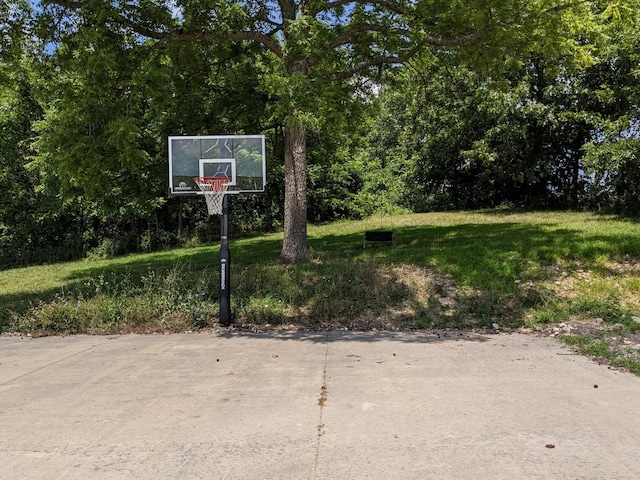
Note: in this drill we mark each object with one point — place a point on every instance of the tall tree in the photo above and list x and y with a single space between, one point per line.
316 48
612 89
17 110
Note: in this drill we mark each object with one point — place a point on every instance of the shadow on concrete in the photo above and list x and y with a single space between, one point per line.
365 337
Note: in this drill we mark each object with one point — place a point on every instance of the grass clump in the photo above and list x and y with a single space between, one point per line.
328 291
172 299
606 346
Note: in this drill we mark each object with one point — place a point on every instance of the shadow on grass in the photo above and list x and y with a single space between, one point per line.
484 255
196 259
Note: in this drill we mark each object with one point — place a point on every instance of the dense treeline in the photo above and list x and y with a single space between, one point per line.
85 114
542 136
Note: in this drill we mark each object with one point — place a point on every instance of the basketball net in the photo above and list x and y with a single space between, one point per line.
214 189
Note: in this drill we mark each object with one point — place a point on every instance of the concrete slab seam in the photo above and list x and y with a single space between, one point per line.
321 402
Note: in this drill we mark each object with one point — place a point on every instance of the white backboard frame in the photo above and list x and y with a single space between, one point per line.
203 172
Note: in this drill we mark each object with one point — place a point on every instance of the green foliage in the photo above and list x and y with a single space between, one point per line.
493 109
605 307
169 300
463 139
612 156
35 226
91 138
602 350
306 51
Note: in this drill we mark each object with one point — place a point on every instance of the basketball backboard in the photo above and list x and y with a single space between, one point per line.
240 157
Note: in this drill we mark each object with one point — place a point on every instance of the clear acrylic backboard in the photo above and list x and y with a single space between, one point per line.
240 157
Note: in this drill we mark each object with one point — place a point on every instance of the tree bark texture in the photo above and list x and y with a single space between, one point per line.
294 246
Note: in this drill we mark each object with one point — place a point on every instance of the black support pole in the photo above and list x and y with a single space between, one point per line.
225 267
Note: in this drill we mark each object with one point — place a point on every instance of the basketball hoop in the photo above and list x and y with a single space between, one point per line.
214 189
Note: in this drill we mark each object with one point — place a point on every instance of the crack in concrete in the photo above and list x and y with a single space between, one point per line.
55 362
322 400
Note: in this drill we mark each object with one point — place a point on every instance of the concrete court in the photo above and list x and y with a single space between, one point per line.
335 405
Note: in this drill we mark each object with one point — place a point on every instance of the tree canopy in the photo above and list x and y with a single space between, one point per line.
313 54
486 102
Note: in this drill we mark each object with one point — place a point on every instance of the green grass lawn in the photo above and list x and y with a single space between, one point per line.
443 270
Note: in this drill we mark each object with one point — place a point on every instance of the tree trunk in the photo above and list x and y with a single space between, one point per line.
294 246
